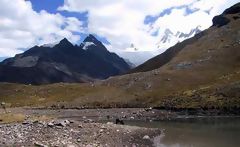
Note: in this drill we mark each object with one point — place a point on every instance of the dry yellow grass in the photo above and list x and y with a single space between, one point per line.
10 118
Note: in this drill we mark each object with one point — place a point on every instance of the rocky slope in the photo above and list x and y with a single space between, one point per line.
63 62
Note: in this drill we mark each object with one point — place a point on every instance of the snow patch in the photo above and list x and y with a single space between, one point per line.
51 45
87 44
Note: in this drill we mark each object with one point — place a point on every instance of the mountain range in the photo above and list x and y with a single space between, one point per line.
166 40
169 38
201 73
63 62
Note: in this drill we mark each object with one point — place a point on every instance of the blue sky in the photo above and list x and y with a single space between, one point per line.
51 6
117 23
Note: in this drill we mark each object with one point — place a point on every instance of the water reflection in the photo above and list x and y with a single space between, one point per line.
201 132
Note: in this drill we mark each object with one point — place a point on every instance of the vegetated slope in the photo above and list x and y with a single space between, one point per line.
210 62
203 74
63 62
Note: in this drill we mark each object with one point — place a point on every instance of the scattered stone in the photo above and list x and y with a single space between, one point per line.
80 126
25 122
59 127
39 144
78 140
88 121
62 123
101 131
148 109
146 137
184 65
103 127
110 123
50 124
67 122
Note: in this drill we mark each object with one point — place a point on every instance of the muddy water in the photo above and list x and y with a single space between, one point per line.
200 132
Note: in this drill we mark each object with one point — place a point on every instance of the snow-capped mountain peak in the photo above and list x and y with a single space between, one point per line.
170 38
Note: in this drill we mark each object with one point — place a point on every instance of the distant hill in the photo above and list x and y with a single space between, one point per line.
63 62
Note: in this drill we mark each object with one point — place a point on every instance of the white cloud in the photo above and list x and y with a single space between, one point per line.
22 27
122 21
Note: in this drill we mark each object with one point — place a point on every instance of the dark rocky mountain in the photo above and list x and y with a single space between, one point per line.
63 62
222 20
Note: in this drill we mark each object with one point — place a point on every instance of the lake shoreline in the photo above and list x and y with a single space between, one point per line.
94 127
111 114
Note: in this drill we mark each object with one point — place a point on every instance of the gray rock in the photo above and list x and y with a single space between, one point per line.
88 121
101 131
146 137
50 124
59 127
110 123
62 123
67 122
39 144
184 65
26 122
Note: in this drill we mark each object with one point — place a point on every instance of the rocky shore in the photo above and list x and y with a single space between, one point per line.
75 133
85 127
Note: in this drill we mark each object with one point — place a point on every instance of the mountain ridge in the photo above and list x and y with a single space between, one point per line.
67 63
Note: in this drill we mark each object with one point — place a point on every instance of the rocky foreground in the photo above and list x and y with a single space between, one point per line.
78 127
75 133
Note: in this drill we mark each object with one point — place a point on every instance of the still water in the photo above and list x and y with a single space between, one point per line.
200 132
